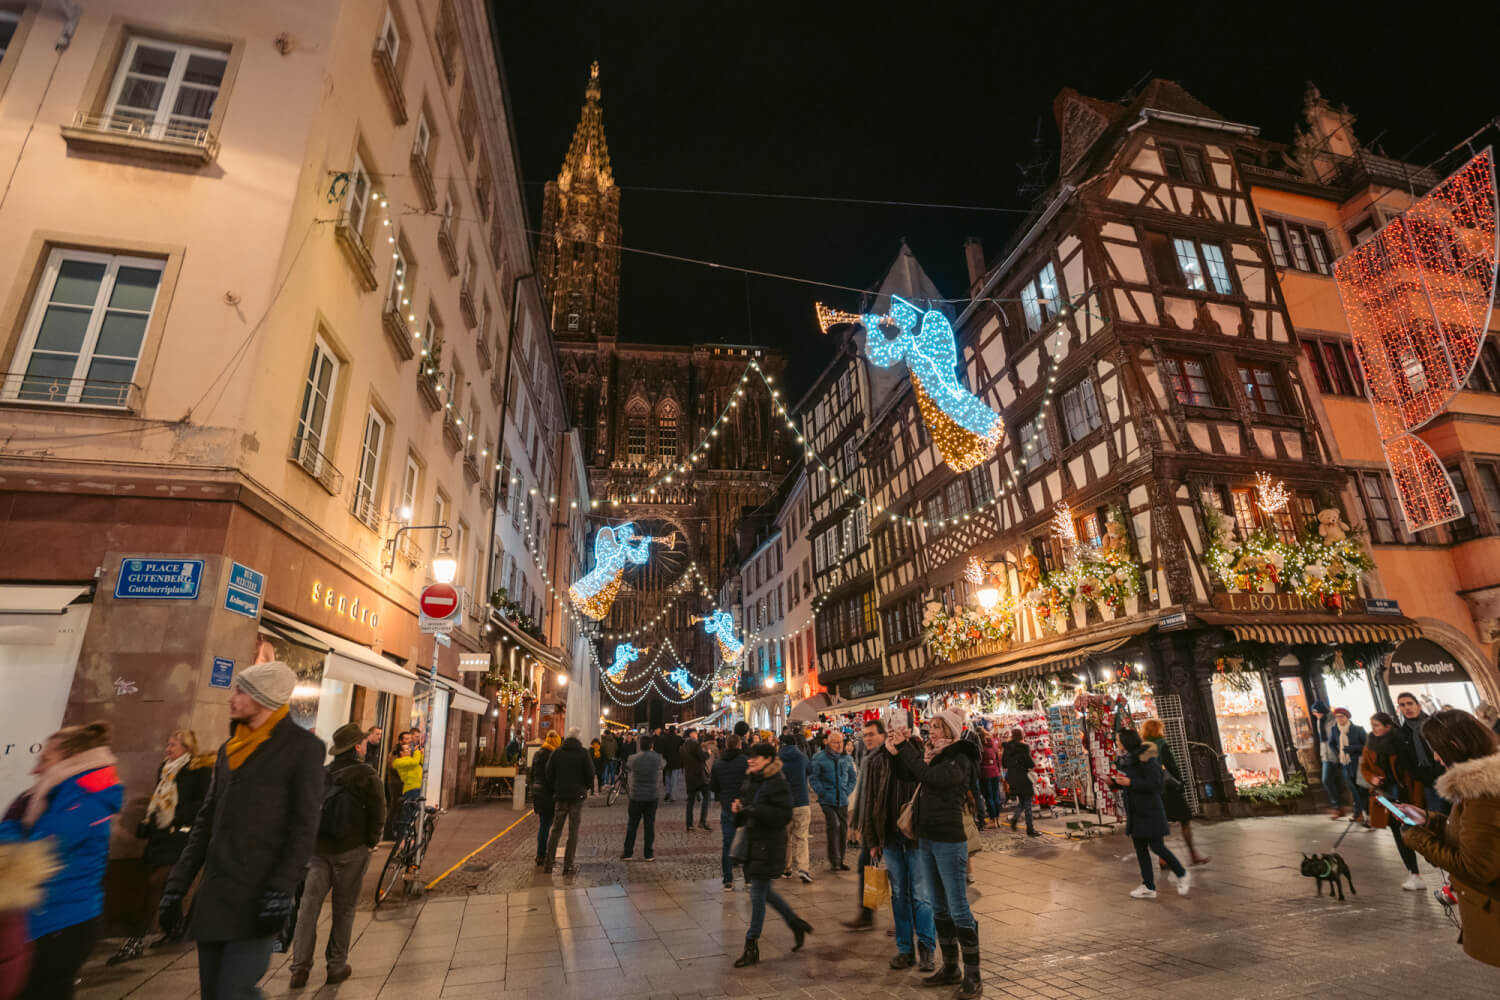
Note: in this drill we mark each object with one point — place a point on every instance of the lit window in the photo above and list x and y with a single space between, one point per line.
83 336
666 436
1188 379
636 441
1080 407
1039 298
366 486
1200 263
166 90
317 401
1260 387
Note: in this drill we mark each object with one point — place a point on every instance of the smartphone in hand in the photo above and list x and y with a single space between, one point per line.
1399 810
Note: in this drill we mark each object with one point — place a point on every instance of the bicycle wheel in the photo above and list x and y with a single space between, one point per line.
393 872
611 795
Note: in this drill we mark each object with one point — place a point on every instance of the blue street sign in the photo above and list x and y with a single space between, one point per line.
222 673
1382 606
159 579
245 589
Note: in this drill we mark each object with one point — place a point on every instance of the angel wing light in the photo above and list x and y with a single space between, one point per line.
721 625
965 430
625 655
1418 296
614 548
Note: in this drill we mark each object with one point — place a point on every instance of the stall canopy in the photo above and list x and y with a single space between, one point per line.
347 661
807 709
464 699
1323 632
29 614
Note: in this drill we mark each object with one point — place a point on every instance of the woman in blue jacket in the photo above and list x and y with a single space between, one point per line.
76 795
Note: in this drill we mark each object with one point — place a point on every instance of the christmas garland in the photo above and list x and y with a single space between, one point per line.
949 633
1323 567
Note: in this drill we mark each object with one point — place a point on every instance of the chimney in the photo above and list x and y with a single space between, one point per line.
974 258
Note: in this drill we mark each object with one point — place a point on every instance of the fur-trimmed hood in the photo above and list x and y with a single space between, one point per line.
1148 751
24 866
1472 779
768 772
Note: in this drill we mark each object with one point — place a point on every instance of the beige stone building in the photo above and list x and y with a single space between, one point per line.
264 266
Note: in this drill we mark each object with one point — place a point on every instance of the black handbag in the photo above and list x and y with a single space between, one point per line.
739 847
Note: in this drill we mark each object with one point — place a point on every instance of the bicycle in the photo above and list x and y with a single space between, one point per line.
404 863
616 787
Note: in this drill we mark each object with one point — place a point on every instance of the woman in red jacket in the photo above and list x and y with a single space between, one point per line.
989 778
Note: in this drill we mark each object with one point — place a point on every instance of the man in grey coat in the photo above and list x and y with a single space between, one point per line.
252 838
353 817
643 785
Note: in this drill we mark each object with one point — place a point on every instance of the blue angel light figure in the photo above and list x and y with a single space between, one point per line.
721 625
965 430
680 678
625 655
614 548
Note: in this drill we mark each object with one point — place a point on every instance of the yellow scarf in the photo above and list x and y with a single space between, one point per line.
246 741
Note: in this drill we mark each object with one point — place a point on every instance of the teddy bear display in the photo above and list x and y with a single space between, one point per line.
1331 526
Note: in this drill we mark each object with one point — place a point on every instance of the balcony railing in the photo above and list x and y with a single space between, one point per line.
421 170
352 240
446 248
453 435
466 306
316 464
85 393
180 140
365 509
396 330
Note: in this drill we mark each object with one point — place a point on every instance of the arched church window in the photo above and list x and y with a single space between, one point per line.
635 441
666 432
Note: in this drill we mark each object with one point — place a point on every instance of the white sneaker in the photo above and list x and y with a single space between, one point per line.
1413 883
1141 892
1184 883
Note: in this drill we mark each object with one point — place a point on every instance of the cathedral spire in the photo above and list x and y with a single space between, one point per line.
588 155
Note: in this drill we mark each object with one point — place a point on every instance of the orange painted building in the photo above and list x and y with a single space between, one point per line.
1317 199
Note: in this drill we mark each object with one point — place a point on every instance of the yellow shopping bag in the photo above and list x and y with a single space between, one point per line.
877 887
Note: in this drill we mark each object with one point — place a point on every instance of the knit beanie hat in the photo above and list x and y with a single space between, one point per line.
553 741
269 684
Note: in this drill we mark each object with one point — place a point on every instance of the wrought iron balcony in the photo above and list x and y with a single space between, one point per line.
179 141
84 393
389 75
365 509
316 464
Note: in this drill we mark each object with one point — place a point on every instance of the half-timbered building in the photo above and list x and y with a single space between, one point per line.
1135 339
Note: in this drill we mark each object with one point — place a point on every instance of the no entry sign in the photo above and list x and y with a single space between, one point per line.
439 606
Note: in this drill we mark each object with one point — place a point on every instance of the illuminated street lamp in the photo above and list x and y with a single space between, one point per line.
562 680
988 596
444 566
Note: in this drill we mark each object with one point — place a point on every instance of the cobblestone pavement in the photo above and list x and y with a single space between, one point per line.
1055 923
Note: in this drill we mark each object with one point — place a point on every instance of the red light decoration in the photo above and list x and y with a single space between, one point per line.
1418 297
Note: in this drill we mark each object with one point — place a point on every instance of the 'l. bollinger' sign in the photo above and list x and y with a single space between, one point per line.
1418 295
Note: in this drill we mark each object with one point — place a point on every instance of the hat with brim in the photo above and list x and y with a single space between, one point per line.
347 737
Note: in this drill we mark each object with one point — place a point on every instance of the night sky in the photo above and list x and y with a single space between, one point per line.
936 102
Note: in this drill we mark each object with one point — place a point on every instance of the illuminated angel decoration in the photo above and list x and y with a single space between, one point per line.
1418 296
965 430
721 625
680 678
614 548
625 655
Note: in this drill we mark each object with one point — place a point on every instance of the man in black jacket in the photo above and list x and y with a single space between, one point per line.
1428 768
724 781
253 836
670 748
570 771
353 815
695 777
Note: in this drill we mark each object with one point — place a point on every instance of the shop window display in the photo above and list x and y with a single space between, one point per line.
1304 727
1245 730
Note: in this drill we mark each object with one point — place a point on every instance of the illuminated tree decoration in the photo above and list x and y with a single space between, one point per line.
625 655
965 431
680 678
614 547
1418 296
1271 495
721 625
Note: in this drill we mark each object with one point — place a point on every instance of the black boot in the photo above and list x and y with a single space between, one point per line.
968 943
131 949
924 959
800 930
751 955
948 975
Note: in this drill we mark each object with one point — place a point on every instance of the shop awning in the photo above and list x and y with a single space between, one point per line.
860 704
42 599
464 699
347 661
1327 633
807 709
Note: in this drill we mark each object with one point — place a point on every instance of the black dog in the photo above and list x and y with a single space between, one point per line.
1330 868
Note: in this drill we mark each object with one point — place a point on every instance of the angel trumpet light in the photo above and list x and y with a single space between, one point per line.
721 625
614 548
965 430
625 655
